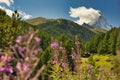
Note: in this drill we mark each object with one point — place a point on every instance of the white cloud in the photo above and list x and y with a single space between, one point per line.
22 14
9 11
7 2
85 15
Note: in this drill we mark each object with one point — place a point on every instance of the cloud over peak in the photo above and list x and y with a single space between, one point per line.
89 16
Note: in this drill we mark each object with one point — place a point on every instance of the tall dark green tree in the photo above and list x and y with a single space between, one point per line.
112 42
15 23
9 27
15 18
2 16
118 43
118 40
103 46
4 28
93 44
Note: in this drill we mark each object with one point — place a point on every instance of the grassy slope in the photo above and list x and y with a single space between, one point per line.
104 61
98 30
38 21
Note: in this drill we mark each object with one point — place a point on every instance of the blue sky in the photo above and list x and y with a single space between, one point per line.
60 8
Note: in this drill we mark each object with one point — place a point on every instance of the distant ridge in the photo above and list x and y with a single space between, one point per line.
61 26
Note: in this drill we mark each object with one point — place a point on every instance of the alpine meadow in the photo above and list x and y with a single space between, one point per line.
59 40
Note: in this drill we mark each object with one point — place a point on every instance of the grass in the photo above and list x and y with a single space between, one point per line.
104 61
98 30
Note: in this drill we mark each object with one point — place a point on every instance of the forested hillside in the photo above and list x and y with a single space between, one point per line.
105 43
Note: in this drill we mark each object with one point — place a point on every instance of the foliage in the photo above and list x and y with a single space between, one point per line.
107 43
9 27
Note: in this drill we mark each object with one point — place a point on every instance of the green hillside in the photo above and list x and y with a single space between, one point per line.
36 21
105 43
62 26
96 30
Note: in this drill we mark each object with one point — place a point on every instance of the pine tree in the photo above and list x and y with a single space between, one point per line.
112 42
8 27
94 43
118 43
15 18
103 46
2 16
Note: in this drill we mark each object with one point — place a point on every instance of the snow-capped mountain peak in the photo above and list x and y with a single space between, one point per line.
102 23
89 16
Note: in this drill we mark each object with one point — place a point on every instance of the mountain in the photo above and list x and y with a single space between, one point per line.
98 21
36 21
94 29
62 26
102 23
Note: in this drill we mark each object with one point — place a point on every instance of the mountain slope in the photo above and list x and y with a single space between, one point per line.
96 30
62 26
38 20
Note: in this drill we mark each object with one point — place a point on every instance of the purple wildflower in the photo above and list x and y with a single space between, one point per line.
18 66
2 69
9 69
26 67
9 58
63 64
54 44
19 39
54 62
2 58
6 68
61 48
37 40
74 55
20 49
26 36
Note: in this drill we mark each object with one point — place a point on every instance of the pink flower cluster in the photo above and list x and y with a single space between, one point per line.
26 37
25 52
59 54
5 67
24 67
73 55
8 69
26 49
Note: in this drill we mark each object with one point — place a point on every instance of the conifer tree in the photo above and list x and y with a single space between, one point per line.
103 46
118 40
112 42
